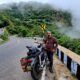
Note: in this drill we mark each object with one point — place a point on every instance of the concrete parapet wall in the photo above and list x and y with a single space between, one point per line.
70 59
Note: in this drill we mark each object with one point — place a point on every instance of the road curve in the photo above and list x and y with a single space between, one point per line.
10 54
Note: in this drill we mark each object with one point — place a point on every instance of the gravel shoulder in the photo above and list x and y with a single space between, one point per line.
62 72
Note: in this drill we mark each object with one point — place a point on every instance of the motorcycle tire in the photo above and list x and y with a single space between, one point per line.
36 75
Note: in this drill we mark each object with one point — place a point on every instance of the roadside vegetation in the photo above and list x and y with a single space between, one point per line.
25 20
4 37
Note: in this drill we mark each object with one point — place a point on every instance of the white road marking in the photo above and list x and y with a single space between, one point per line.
43 74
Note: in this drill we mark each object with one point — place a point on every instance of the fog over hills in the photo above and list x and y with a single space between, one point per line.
69 5
73 6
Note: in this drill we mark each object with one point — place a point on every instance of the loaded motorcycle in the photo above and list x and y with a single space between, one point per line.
35 61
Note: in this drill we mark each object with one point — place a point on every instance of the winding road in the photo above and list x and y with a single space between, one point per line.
10 54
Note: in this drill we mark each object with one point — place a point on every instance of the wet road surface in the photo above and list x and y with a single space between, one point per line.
10 54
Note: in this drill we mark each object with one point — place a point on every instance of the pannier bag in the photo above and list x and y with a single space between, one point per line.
25 64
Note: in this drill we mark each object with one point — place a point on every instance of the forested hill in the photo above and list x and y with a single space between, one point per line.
31 14
25 19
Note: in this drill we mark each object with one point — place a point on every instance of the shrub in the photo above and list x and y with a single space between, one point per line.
5 35
64 41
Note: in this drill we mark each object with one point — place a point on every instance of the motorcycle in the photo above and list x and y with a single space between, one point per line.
35 61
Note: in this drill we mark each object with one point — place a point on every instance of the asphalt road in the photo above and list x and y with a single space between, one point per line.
10 54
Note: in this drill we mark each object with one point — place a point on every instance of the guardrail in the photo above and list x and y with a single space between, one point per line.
70 59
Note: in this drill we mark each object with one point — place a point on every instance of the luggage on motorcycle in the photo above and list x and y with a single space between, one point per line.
25 64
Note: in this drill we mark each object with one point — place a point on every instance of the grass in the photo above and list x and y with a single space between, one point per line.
4 41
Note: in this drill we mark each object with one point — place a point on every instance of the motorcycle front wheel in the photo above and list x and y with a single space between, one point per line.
35 72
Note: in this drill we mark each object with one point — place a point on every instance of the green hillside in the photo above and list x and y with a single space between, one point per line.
27 16
25 19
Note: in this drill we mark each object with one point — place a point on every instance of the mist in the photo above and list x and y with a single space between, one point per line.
72 6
